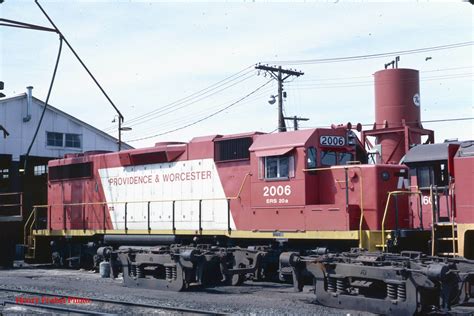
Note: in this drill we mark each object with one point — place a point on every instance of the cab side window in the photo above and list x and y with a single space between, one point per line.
277 167
311 162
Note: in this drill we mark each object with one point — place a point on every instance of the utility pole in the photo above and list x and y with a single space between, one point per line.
277 73
295 120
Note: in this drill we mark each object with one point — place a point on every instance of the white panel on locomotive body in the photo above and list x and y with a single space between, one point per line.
185 182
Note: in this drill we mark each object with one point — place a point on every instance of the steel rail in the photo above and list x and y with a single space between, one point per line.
110 301
56 308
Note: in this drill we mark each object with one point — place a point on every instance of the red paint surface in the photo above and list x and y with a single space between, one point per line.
464 189
317 200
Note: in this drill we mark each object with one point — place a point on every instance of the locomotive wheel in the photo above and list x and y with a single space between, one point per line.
237 279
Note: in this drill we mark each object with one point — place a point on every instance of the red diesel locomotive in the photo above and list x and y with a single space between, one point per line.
291 185
225 207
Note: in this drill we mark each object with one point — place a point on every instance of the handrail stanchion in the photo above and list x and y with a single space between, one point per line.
84 218
21 204
420 207
390 194
396 212
50 219
26 228
346 178
200 216
64 217
433 220
451 194
126 207
35 219
103 217
148 217
173 217
229 229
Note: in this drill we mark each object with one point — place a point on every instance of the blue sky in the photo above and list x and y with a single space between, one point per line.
148 54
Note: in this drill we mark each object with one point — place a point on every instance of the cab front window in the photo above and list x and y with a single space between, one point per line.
332 158
311 158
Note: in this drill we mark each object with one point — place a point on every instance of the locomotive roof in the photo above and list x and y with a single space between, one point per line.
466 149
281 140
428 152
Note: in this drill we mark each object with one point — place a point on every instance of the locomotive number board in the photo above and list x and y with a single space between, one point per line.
332 140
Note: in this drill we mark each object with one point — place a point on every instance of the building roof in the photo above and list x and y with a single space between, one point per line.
62 113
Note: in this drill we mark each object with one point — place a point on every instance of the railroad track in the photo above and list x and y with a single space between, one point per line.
59 308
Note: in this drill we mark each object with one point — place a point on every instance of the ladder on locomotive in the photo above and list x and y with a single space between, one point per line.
444 239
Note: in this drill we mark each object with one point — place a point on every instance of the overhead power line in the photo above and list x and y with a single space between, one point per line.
425 121
206 117
370 56
303 84
306 86
185 104
177 120
313 79
193 97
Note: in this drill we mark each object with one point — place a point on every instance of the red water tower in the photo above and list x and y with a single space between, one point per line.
397 124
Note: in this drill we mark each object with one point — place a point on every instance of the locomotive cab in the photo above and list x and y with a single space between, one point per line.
312 180
431 172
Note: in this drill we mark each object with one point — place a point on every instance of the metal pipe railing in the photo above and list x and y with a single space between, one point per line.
390 194
19 204
148 202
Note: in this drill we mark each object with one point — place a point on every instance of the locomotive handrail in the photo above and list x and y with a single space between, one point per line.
134 202
241 187
153 201
20 199
28 225
49 206
433 219
361 205
435 209
451 193
148 202
390 194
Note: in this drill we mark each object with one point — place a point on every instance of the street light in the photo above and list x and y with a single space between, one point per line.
122 129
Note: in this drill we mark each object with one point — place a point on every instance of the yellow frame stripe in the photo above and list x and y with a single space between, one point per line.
341 235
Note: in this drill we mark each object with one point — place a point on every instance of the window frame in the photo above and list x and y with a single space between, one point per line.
313 150
338 155
79 140
290 167
56 139
40 170
4 173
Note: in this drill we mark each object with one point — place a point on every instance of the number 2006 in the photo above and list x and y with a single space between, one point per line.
277 190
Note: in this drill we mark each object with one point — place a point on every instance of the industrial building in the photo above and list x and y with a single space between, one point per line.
23 185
